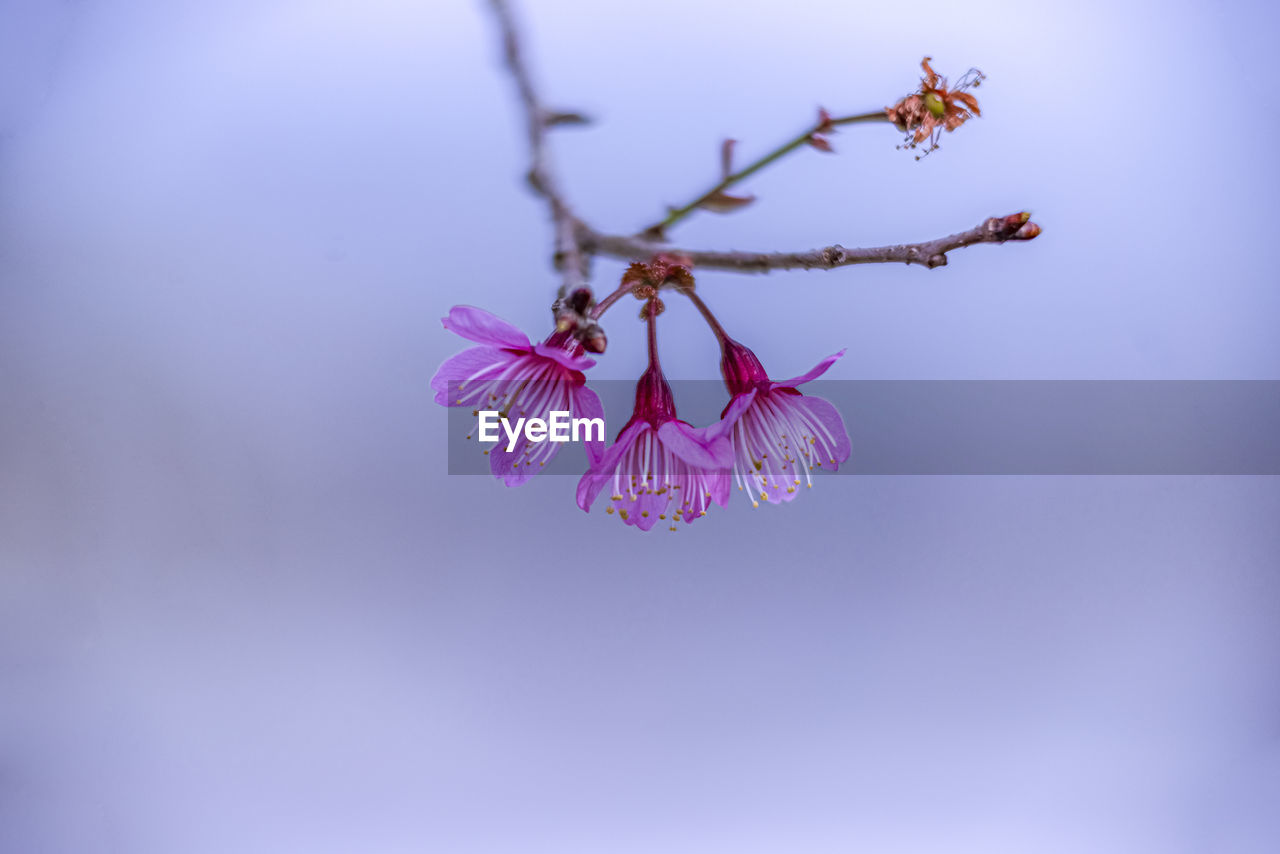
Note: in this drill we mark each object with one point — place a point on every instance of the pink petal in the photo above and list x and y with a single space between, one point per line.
829 417
601 472
564 357
691 445
817 371
511 468
589 487
586 404
721 488
476 324
646 511
471 364
732 413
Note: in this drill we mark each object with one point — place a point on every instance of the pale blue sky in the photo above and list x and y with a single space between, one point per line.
243 607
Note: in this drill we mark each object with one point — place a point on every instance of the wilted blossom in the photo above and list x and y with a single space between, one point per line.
781 435
935 107
519 379
662 469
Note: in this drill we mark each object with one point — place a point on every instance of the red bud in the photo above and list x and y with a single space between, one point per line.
820 143
726 157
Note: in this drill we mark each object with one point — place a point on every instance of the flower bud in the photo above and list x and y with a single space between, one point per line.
580 301
593 339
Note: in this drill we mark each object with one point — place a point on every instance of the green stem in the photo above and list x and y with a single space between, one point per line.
677 214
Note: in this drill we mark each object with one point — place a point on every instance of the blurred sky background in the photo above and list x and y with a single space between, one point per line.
243 608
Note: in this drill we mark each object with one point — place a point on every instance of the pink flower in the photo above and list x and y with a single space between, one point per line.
510 374
781 435
661 468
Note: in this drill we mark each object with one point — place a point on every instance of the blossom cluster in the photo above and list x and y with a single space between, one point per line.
660 468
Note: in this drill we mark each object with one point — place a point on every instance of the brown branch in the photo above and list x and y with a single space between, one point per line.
931 253
570 258
576 242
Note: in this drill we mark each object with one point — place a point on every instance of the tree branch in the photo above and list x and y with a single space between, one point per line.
570 258
825 124
576 242
931 253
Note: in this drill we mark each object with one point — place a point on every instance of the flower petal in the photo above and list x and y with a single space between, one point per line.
602 471
563 356
518 466
721 488
471 364
812 374
586 404
476 324
732 413
826 415
692 445
645 510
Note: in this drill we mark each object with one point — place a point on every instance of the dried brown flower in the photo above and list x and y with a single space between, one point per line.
935 107
665 269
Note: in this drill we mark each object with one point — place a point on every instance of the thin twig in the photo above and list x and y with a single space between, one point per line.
657 231
569 258
930 253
